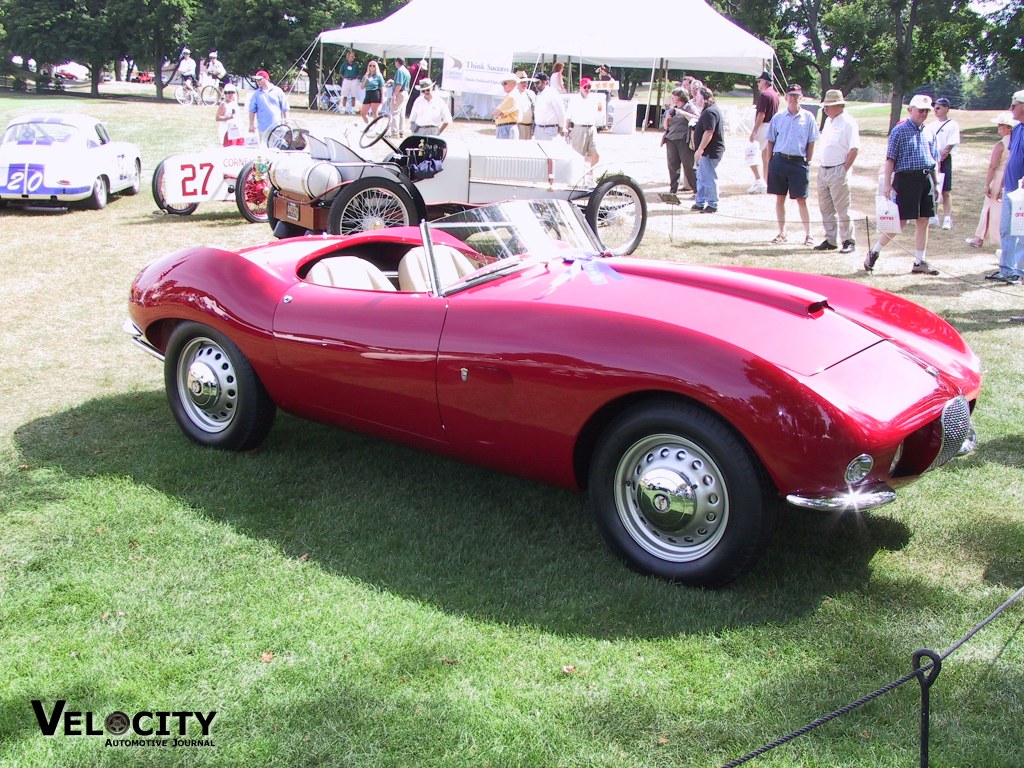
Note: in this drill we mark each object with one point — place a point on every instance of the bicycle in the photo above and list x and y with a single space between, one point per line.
186 93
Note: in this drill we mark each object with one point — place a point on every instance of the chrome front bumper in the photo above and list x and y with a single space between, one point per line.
853 499
139 339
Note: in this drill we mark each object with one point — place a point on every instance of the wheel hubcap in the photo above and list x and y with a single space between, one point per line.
672 498
207 385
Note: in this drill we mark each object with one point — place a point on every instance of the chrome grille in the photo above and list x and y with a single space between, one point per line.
510 168
956 429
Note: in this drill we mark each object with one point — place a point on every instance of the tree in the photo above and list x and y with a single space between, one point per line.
1002 40
900 42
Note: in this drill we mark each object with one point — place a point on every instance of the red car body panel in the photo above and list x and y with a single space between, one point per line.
520 373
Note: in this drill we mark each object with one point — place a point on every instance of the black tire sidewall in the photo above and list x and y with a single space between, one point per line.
594 207
750 515
255 412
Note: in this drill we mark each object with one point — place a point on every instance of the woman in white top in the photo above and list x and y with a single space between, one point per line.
228 128
557 81
988 224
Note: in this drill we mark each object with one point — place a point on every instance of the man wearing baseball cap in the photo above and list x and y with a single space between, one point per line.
947 139
911 162
268 104
765 109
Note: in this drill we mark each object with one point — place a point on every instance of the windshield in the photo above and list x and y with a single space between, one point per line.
503 238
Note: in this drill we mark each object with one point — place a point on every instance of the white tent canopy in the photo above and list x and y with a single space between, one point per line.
640 33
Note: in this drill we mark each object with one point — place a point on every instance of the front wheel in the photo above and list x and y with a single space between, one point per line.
368 204
159 196
214 393
136 184
617 212
676 494
182 95
252 188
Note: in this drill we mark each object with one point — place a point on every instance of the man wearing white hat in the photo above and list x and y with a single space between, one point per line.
840 143
429 116
506 114
911 160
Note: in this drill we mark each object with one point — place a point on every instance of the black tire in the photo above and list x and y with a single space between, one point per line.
214 393
97 200
281 229
161 202
676 494
252 194
617 212
370 203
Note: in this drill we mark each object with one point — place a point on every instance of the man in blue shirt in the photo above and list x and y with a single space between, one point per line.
399 97
910 179
268 104
1011 263
790 142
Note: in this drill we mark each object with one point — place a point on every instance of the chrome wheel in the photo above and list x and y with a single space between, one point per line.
207 385
671 498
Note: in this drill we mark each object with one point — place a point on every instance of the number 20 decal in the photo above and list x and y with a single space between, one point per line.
191 175
26 180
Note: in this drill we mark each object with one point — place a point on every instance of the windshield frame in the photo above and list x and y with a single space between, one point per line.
504 238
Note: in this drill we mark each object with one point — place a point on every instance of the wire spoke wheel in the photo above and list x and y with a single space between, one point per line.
617 212
370 204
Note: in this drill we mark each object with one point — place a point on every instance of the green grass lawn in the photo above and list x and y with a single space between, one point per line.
342 601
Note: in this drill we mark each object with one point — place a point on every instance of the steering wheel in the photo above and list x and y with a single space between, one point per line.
375 131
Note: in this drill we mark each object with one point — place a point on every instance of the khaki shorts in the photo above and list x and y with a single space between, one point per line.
584 139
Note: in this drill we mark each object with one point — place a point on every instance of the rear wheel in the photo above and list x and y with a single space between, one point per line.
617 212
175 209
251 193
214 393
182 95
676 494
210 95
368 204
100 194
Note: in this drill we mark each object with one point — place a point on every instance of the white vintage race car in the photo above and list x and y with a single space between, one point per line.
55 159
220 174
333 188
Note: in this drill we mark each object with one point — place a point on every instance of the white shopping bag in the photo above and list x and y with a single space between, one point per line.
752 153
888 214
1016 199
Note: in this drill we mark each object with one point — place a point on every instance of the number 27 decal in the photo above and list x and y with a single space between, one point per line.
191 175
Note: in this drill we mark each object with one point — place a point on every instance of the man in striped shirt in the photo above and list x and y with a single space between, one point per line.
910 179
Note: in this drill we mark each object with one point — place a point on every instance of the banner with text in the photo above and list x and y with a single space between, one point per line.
467 71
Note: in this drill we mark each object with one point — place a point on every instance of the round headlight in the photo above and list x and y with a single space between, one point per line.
858 469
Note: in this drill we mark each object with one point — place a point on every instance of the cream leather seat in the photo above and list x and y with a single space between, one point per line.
414 269
349 272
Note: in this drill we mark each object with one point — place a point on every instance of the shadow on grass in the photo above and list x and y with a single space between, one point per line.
465 539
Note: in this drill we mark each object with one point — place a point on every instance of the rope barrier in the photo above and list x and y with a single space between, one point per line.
925 673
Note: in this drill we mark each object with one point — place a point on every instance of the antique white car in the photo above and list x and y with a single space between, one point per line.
55 159
223 174
335 189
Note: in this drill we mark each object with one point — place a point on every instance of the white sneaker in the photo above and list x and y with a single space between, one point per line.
933 221
947 223
757 188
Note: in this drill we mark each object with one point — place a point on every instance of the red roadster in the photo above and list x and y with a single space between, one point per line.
687 400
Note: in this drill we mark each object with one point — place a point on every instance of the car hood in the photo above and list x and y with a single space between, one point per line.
792 327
